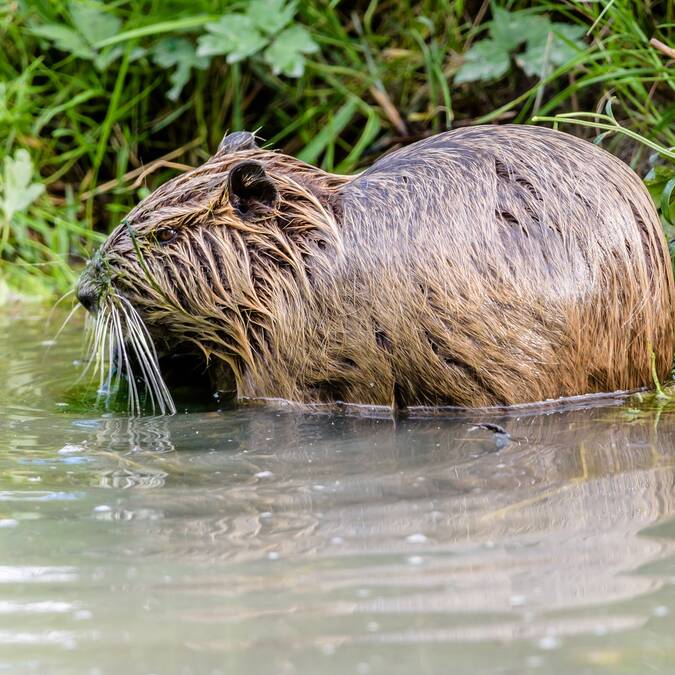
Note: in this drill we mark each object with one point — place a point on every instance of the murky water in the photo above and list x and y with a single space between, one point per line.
267 542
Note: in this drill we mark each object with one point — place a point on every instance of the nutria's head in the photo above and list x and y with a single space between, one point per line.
191 268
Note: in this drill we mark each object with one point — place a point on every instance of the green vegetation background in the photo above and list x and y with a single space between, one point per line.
101 102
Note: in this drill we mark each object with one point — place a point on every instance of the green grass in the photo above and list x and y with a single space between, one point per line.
85 90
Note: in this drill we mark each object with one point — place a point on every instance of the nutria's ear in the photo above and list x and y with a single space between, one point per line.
252 192
239 140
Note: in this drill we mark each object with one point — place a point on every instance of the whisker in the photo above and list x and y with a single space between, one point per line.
150 370
116 332
110 364
65 322
100 353
58 302
52 342
140 356
93 344
134 402
93 325
146 353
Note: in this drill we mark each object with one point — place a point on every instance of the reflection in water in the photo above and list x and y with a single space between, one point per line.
265 541
145 434
428 517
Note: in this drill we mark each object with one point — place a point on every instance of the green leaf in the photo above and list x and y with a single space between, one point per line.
65 39
286 54
270 16
172 51
509 30
657 178
570 31
660 182
667 208
532 60
19 190
542 51
178 52
93 24
234 35
179 78
485 61
92 21
567 42
107 56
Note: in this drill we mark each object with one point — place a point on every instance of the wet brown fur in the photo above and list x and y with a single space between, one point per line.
484 266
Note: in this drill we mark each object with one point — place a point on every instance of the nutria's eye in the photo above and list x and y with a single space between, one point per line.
165 235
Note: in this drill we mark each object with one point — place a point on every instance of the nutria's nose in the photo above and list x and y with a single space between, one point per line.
89 284
87 297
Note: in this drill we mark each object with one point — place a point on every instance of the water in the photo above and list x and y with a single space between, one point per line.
267 542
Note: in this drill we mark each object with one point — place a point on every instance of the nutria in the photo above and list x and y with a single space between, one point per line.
490 265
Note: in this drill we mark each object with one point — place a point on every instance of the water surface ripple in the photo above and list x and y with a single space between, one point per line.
270 542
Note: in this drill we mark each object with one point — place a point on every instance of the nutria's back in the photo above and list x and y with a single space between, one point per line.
484 266
494 265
